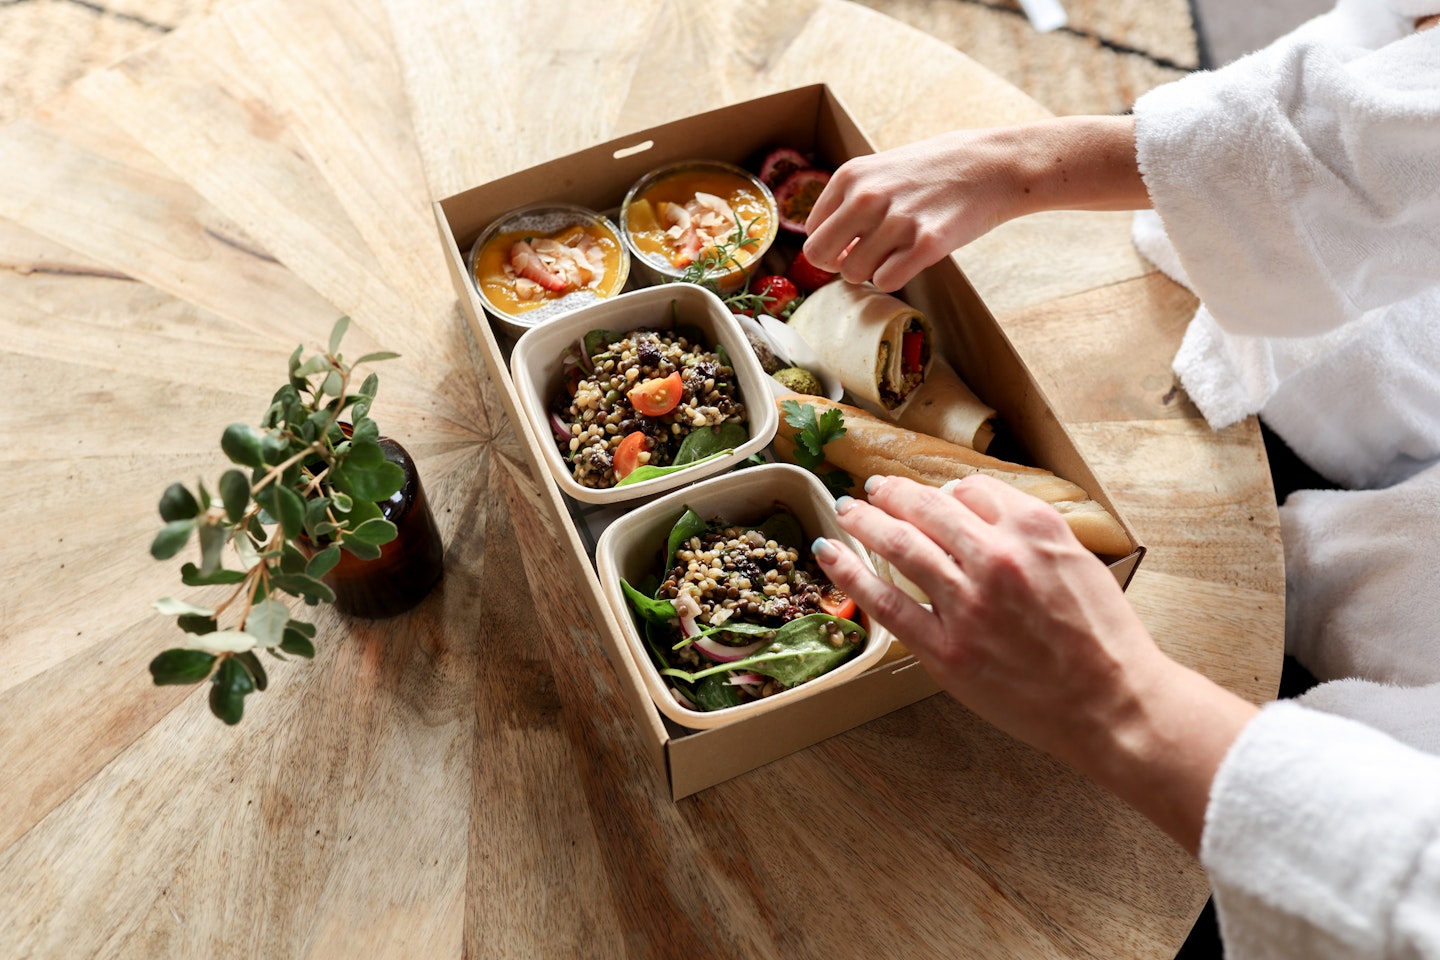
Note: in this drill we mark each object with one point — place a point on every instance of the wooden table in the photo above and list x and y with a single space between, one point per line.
464 780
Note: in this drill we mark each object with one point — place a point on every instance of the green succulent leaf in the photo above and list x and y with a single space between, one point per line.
304 586
266 622
235 494
375 357
241 443
252 665
361 549
292 511
231 684
292 560
212 544
177 666
194 623
337 333
375 531
225 641
297 643
371 385
365 429
343 502
274 448
324 561
294 367
310 367
178 503
376 484
175 608
171 539
191 576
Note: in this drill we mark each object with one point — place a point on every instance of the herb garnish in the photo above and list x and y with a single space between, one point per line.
811 435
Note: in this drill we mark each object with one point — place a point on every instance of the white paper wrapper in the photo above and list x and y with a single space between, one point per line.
857 332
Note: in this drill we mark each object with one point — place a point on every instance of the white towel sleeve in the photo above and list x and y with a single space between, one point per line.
1322 841
1362 581
1300 185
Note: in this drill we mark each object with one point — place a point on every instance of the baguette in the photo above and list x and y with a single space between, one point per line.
872 446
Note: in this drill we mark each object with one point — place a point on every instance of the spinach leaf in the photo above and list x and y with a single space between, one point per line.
690 524
690 332
706 442
653 611
784 529
647 472
724 355
715 693
596 341
800 651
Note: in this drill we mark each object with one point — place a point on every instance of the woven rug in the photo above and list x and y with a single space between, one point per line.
1111 52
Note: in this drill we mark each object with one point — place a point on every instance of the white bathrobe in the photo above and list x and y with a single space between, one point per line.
1299 192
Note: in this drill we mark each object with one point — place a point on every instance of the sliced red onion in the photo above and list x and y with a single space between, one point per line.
683 700
721 653
560 428
689 628
745 679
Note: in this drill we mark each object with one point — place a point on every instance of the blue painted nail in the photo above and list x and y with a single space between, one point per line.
873 483
843 504
823 550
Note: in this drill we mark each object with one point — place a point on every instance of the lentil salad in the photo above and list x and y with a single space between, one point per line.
741 612
643 401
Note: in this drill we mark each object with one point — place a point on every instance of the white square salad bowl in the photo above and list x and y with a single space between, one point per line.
634 545
537 366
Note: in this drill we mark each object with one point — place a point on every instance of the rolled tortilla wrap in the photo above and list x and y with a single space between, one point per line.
858 332
943 406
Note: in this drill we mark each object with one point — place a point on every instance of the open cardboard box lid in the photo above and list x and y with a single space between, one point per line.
812 120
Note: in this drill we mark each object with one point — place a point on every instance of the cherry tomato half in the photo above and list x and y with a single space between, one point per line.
837 603
627 455
655 398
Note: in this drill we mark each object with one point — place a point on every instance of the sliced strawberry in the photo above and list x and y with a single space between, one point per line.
806 275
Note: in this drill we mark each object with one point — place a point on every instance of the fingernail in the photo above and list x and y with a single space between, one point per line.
874 483
824 550
844 504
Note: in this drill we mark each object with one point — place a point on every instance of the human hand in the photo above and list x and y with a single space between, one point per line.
1026 627
1031 632
890 215
904 209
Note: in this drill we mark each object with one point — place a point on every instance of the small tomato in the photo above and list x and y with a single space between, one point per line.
627 455
837 603
655 398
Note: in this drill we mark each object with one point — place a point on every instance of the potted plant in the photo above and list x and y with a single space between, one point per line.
316 496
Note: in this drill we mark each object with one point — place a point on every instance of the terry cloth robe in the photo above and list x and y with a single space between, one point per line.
1300 188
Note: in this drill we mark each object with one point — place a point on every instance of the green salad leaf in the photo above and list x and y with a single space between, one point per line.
800 651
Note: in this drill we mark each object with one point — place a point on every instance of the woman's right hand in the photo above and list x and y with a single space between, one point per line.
887 216
1032 632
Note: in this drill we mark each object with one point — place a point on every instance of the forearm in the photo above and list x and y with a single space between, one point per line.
1161 743
1075 163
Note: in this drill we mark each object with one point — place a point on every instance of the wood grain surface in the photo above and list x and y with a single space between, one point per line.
465 780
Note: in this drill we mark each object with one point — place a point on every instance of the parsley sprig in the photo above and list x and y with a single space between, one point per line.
811 435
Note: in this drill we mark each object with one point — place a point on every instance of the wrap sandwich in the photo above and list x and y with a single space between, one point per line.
878 345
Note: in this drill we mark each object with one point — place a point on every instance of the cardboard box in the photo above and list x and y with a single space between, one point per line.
812 120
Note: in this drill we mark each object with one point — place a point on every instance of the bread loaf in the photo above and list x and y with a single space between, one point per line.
872 446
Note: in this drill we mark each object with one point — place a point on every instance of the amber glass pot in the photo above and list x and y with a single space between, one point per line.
408 566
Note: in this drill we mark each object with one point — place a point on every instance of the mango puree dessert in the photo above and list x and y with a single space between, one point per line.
693 215
520 270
